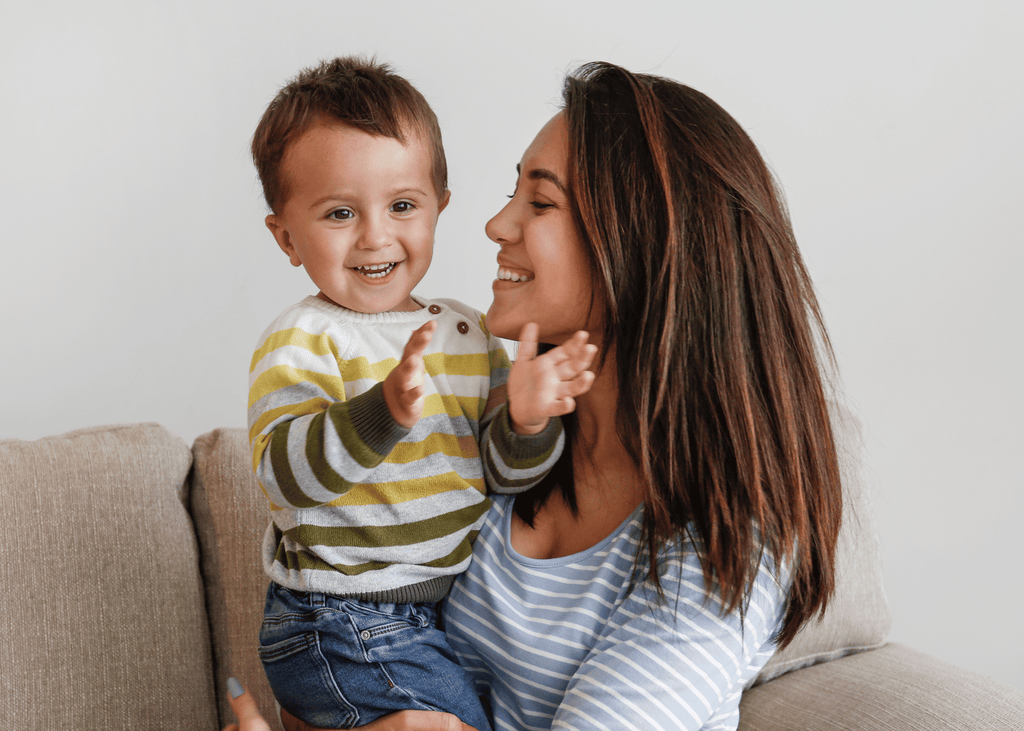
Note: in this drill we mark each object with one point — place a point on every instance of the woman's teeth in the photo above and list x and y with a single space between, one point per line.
512 276
376 271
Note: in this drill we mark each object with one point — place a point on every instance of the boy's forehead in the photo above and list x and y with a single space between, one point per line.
327 145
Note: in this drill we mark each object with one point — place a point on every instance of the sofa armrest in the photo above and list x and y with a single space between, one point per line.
893 687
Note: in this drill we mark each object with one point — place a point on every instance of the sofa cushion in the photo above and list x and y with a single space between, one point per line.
102 611
858 616
891 688
231 515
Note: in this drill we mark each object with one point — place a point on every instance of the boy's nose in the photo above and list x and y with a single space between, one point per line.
374 235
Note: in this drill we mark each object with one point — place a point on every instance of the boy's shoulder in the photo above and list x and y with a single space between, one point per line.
472 314
310 316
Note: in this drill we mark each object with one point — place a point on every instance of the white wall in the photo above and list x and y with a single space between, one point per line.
136 272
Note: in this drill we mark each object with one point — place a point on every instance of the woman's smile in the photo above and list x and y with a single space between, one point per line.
512 275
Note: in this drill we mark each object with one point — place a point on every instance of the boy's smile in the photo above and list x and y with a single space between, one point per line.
359 215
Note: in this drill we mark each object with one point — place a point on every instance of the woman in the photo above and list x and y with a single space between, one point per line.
690 527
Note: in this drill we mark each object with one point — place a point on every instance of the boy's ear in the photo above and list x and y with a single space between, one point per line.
283 239
444 201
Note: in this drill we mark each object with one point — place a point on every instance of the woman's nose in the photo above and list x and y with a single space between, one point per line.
502 228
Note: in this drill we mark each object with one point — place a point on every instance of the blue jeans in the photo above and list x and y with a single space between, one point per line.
341 663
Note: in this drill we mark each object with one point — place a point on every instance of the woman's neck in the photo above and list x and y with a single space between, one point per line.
602 467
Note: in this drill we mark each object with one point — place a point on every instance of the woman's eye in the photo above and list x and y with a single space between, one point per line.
537 205
402 207
341 214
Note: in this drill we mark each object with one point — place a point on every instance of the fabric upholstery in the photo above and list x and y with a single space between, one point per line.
858 615
230 512
101 613
889 689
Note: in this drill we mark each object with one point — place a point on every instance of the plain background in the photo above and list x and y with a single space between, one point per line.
136 271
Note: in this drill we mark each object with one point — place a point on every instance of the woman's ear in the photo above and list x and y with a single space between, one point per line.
283 238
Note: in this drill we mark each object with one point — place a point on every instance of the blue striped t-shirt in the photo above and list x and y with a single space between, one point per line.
575 643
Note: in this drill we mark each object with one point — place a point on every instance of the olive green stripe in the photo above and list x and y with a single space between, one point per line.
405 534
357 449
524 455
317 457
286 482
305 561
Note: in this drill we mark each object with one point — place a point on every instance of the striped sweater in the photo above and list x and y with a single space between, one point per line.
582 642
360 505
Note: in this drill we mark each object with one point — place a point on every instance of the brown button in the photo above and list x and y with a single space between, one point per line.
463 328
434 309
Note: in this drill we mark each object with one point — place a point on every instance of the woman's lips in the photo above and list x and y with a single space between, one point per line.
506 274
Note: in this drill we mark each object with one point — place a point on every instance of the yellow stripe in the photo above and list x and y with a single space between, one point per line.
469 364
393 493
258 448
358 368
312 406
470 406
321 344
436 364
447 444
283 376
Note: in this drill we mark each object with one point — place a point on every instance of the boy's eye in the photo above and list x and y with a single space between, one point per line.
402 207
340 214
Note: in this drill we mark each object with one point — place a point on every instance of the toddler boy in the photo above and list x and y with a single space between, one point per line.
375 415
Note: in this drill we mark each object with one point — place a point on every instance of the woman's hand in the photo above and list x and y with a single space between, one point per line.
400 721
249 718
244 706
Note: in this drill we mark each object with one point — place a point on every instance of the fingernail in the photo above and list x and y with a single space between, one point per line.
235 688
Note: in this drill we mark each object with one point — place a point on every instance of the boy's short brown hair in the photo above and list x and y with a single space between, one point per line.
351 90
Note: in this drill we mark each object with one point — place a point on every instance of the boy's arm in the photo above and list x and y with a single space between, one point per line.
310 444
522 438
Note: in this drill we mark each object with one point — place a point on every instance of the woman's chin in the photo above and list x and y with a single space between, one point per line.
501 325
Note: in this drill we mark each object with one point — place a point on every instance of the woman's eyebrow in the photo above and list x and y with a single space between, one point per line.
543 174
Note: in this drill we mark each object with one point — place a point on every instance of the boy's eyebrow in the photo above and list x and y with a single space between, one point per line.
542 174
336 196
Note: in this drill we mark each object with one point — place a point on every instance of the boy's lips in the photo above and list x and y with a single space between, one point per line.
377 272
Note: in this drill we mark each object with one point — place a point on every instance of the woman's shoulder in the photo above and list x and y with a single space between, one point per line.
683 588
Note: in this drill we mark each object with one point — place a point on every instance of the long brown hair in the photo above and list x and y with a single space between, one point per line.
719 341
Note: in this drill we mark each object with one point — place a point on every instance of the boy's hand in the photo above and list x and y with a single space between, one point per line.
403 388
540 387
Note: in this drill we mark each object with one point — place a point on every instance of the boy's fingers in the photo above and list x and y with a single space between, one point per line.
244 706
410 373
412 395
420 339
528 342
580 384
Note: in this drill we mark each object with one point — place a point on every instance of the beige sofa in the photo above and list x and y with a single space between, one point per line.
132 590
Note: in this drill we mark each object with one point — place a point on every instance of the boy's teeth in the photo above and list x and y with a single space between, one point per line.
376 270
512 276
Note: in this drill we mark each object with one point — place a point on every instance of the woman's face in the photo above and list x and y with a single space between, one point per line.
543 275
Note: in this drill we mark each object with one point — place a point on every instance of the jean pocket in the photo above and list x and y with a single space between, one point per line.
303 684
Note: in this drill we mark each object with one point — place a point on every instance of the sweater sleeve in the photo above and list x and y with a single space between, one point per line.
512 462
674 663
309 442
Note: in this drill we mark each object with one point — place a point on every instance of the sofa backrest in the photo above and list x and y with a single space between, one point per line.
102 610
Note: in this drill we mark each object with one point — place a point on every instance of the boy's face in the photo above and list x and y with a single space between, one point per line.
360 215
